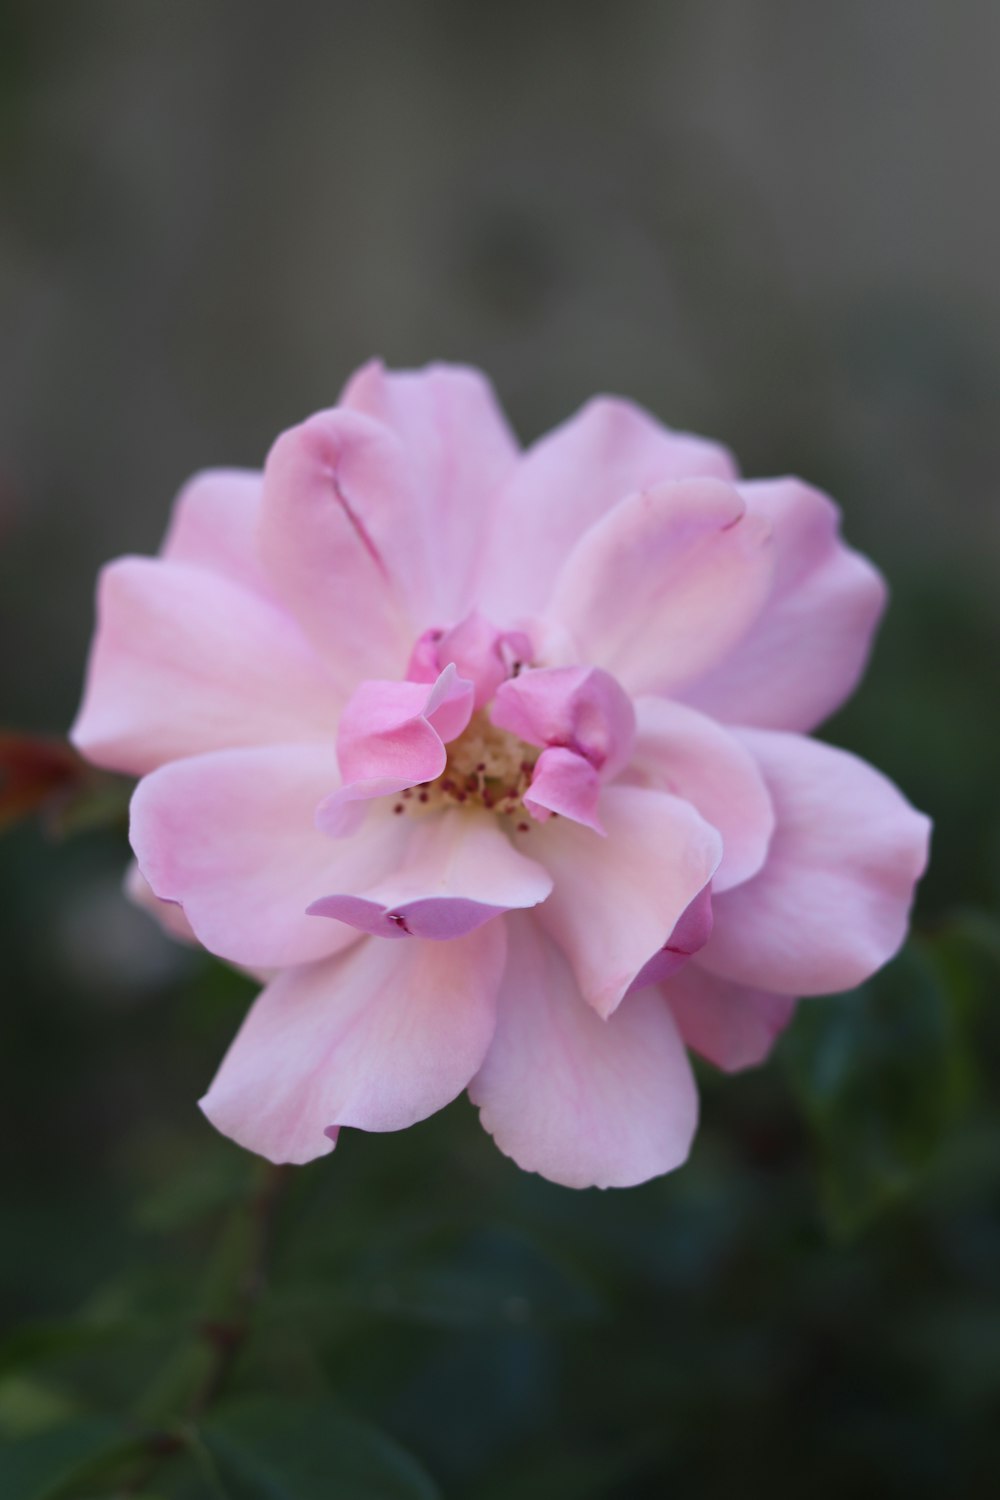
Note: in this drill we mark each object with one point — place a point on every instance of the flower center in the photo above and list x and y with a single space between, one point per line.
486 767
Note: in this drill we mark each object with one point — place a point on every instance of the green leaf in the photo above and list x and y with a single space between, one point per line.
28 1406
65 1461
273 1449
34 1343
881 1074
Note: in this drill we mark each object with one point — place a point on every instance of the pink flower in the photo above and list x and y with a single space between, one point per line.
497 763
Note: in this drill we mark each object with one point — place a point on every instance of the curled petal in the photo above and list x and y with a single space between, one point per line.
480 653
454 871
583 1101
563 782
392 736
579 708
377 1038
616 901
832 902
689 935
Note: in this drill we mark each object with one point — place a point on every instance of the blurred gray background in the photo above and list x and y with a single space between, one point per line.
771 222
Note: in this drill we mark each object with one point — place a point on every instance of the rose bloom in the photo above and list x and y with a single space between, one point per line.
495 764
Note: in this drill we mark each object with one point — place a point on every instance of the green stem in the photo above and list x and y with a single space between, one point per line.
195 1376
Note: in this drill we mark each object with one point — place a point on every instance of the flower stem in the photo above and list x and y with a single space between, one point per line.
197 1373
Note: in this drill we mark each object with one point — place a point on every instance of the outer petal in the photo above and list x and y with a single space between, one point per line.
377 1038
168 914
186 661
663 587
460 451
832 903
570 479
734 1027
617 900
585 1102
455 871
214 526
341 542
231 837
681 751
805 653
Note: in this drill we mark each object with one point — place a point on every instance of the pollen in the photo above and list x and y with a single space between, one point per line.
487 767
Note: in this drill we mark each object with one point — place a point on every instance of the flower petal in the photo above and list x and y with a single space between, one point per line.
481 654
563 782
186 661
831 904
377 1038
617 900
568 480
662 588
231 837
214 526
682 751
392 736
459 450
585 1102
805 653
734 1027
689 935
168 914
581 708
340 540
455 871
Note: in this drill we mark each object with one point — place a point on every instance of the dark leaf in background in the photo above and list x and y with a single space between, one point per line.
266 1448
82 1459
881 1074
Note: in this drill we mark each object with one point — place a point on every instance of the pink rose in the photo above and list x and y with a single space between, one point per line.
497 763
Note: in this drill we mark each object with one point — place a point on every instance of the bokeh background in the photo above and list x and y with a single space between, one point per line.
774 223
